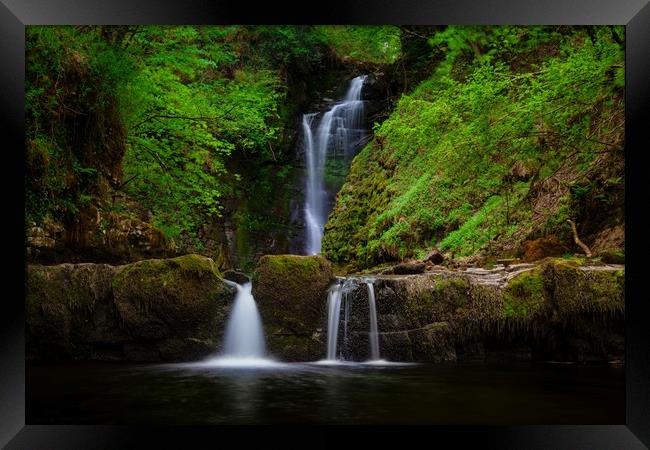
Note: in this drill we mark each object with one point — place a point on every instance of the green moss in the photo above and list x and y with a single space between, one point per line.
196 262
294 265
291 291
36 289
165 269
572 261
524 296
434 298
74 287
174 279
620 279
456 164
578 288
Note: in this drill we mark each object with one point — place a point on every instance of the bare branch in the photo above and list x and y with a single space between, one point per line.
577 239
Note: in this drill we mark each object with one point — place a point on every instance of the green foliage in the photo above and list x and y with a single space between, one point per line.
178 118
274 46
374 44
508 106
72 79
475 231
190 107
181 120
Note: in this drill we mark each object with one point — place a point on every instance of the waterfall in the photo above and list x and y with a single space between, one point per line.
339 132
374 333
244 344
313 200
340 296
244 336
333 312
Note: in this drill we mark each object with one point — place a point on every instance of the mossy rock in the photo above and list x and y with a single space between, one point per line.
291 292
565 309
524 297
173 309
579 289
75 286
68 306
422 299
612 256
433 343
182 297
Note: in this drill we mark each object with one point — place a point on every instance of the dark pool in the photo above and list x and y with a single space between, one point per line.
110 393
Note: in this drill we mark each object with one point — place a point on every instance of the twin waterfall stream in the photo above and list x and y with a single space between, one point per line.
339 297
339 131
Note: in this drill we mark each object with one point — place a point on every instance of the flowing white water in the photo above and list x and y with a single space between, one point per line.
333 313
374 332
339 130
244 344
338 297
315 191
244 334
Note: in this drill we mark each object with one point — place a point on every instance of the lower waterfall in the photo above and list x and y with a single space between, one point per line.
341 296
374 332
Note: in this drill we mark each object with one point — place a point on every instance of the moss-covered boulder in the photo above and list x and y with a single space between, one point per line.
291 293
69 309
524 296
159 298
166 309
577 288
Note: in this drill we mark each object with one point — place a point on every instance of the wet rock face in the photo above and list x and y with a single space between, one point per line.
110 238
176 309
69 309
556 310
237 277
406 269
182 297
153 310
291 294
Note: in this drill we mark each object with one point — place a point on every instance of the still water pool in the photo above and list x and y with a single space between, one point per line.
111 393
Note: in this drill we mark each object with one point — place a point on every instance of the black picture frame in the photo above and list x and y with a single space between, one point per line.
634 14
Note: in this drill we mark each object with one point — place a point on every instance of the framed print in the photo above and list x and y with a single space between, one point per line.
362 214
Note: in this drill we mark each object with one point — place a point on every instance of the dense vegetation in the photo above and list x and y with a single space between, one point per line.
516 130
489 136
170 124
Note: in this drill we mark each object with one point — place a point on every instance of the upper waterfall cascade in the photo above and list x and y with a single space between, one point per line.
338 133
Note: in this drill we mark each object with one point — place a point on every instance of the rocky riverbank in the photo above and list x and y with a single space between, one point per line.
553 310
176 309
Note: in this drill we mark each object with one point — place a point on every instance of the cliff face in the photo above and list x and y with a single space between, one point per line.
265 216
